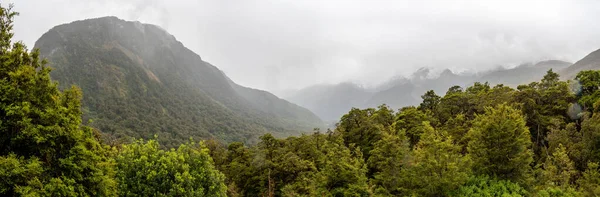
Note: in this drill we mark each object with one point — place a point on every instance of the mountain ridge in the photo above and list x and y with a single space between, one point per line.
405 91
589 62
139 80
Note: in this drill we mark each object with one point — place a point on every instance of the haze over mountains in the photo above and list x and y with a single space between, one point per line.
331 101
139 81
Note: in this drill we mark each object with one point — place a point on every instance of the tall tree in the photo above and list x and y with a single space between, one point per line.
409 122
590 130
146 170
387 162
343 172
588 94
437 166
544 104
44 149
589 183
500 144
430 101
558 169
360 129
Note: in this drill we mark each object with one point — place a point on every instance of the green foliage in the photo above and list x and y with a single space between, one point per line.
558 192
589 183
139 81
437 167
490 134
342 174
361 129
589 81
484 186
44 150
481 141
143 169
388 161
558 169
410 121
430 101
590 131
500 144
544 105
572 140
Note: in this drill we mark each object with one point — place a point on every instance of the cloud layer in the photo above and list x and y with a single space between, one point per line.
285 44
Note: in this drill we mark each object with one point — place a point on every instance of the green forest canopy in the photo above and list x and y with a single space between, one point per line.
540 139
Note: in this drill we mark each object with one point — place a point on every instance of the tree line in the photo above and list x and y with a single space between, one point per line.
540 139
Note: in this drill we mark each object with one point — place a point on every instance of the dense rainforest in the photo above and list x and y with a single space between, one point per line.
540 139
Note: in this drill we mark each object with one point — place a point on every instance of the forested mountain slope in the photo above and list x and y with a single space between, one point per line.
138 81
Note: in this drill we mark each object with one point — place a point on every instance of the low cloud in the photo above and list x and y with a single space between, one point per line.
278 45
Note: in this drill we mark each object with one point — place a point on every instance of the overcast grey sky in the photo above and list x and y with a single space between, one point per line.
287 44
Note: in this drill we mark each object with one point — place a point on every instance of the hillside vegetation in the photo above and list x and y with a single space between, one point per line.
139 81
540 139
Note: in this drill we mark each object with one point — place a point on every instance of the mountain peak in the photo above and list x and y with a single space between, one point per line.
138 81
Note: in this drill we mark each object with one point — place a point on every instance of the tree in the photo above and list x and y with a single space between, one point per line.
500 144
550 79
590 130
558 169
146 170
430 101
571 139
358 127
457 128
409 121
486 186
589 183
437 167
343 172
590 83
240 171
455 102
387 161
44 149
544 105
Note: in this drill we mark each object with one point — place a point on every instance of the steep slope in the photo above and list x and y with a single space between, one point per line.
291 114
138 81
589 62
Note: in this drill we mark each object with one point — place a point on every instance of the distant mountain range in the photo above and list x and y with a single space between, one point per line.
138 81
330 102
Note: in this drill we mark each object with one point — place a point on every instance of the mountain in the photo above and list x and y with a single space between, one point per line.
138 81
589 62
524 73
332 101
329 102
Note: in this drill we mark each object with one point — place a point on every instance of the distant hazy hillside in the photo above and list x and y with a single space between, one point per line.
331 101
138 81
524 73
589 62
327 101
